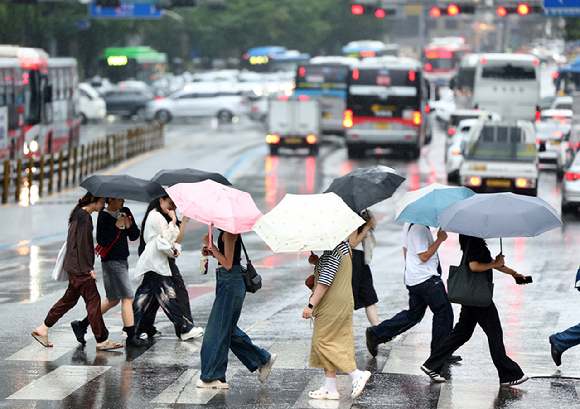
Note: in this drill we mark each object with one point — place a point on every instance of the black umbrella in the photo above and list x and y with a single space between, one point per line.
170 177
365 187
123 187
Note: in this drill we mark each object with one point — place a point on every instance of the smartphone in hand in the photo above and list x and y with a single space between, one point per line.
525 280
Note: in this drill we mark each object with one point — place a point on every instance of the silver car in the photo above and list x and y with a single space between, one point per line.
571 187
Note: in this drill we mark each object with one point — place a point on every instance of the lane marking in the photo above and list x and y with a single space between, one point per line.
59 383
291 354
184 391
170 353
63 342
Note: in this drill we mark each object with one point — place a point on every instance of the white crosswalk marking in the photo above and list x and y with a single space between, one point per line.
63 342
291 354
343 385
406 360
456 394
184 391
60 383
170 353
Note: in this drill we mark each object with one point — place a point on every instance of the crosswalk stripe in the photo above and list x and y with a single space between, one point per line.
406 360
63 343
184 391
457 394
170 353
343 385
59 383
291 354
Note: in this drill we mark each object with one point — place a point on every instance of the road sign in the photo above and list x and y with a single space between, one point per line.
565 8
126 11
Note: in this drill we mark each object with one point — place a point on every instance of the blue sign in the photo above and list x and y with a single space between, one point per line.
126 11
564 8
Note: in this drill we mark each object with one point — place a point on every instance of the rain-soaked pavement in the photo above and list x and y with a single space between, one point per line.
163 375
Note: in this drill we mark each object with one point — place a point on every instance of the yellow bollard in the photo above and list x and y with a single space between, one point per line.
60 165
75 164
41 176
18 179
51 173
6 180
30 175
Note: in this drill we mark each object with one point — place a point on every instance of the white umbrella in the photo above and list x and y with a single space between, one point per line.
307 222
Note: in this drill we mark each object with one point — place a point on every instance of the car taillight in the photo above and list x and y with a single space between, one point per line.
283 97
427 109
311 139
455 152
303 98
563 122
451 131
538 141
474 181
347 118
572 176
557 134
158 98
538 116
254 108
272 139
521 183
417 117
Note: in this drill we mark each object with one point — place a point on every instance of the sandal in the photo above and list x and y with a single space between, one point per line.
43 339
109 345
323 393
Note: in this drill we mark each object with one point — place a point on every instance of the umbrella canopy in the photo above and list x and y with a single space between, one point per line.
307 222
497 215
170 177
123 187
422 206
365 187
229 209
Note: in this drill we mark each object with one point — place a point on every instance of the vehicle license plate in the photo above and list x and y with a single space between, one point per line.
382 125
292 141
555 143
498 183
327 115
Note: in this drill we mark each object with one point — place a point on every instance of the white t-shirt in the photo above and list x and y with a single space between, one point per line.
417 240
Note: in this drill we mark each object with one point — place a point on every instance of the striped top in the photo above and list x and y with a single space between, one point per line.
330 261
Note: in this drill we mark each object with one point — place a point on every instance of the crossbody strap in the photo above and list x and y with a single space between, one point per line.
464 257
244 248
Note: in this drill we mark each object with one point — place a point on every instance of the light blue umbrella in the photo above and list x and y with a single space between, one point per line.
422 206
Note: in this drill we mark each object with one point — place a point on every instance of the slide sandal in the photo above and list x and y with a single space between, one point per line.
43 339
109 345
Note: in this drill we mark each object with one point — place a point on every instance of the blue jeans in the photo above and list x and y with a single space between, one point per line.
567 339
222 333
430 293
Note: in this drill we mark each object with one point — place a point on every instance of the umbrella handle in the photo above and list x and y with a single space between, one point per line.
210 238
500 246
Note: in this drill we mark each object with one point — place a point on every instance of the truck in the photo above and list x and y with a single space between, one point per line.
294 123
501 156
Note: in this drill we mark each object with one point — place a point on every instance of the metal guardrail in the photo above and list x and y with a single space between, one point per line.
25 179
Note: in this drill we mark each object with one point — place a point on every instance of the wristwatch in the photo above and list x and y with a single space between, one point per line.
310 306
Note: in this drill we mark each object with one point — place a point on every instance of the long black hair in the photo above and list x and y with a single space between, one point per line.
87 199
474 241
155 204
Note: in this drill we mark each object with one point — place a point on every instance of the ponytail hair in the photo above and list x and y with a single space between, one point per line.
87 199
155 204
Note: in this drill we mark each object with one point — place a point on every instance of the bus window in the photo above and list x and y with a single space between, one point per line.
502 133
465 79
2 89
508 73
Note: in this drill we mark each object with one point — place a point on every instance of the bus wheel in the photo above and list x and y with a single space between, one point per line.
273 150
314 150
163 116
354 152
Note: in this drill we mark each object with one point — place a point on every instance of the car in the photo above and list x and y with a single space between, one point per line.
546 102
454 152
459 115
562 102
128 101
259 109
166 86
571 187
202 99
92 107
552 134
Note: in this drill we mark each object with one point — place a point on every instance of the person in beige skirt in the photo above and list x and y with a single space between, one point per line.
331 304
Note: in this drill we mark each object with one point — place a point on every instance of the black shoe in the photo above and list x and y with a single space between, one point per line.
372 342
79 331
454 358
137 342
556 355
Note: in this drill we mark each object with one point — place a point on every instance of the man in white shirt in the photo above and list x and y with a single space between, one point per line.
423 281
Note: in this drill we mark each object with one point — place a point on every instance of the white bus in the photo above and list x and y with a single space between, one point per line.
508 84
464 83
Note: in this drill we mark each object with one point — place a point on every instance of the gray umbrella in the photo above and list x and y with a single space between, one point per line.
170 177
497 215
365 187
123 187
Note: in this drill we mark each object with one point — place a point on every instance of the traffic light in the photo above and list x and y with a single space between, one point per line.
379 12
452 10
522 9
108 3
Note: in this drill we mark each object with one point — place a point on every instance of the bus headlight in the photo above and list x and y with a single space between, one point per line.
33 146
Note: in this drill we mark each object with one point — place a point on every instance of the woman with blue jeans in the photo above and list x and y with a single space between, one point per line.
222 332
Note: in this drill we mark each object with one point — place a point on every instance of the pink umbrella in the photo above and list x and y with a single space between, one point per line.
228 209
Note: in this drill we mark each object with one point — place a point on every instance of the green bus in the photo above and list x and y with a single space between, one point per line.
139 63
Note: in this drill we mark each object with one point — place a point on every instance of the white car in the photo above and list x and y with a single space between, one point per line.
454 153
91 106
552 134
203 99
562 102
571 187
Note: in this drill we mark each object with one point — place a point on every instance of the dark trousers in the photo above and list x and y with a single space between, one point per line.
430 293
81 285
488 320
148 320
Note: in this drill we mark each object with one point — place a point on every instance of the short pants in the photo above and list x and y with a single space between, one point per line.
363 290
116 280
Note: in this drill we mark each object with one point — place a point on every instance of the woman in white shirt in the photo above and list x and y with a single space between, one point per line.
159 232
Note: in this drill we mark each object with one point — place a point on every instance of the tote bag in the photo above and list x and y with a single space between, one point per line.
468 288
58 273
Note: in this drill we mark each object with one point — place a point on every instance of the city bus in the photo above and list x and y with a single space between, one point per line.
464 82
324 79
441 59
39 102
138 63
273 59
385 106
508 84
567 78
370 48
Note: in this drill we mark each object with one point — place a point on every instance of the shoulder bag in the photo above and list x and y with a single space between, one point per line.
251 277
58 272
468 288
102 251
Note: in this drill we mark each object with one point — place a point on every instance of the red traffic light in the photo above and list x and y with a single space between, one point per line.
452 10
501 11
357 9
380 13
523 9
435 12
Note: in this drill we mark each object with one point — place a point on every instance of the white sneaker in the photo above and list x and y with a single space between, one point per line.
195 332
145 336
265 370
435 377
212 385
322 393
517 382
358 385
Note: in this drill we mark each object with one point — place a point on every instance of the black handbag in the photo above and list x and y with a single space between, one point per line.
468 288
252 279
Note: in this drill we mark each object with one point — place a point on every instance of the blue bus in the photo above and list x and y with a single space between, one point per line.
325 79
567 78
273 59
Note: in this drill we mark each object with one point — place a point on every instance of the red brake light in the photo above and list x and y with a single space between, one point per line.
557 134
158 98
538 116
411 75
355 74
563 122
572 176
303 98
380 13
417 117
521 183
427 109
283 97
347 118
272 139
555 75
475 181
311 139
428 67
357 9
483 60
535 62
301 71
451 131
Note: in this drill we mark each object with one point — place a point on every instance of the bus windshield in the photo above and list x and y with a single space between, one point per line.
508 72
465 78
320 76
